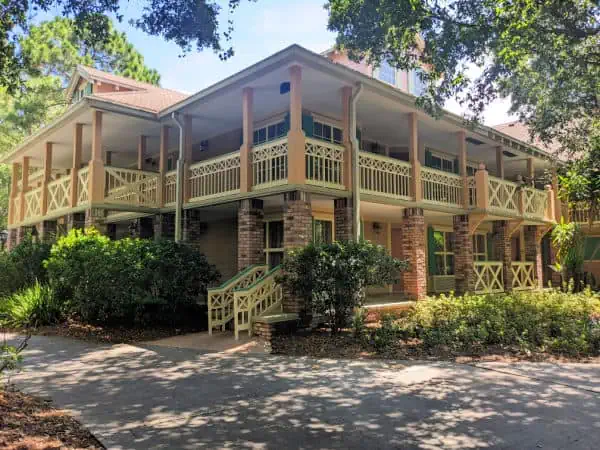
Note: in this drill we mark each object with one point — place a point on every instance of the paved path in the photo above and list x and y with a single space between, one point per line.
157 397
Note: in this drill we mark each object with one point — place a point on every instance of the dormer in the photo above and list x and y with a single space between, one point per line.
89 81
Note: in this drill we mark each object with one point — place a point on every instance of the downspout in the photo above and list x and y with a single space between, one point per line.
179 183
355 162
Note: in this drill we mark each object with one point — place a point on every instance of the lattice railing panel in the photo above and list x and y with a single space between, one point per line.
382 175
220 299
441 187
580 213
33 203
503 195
535 202
262 297
472 192
489 277
170 187
59 194
523 276
270 163
83 188
215 177
16 211
324 163
131 187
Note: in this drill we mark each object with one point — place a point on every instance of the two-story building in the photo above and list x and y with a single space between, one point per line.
297 147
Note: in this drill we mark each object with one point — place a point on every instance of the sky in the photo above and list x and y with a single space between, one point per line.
261 29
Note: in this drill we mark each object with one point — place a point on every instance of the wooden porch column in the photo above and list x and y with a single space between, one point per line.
162 163
141 152
47 176
77 147
24 185
530 171
247 140
557 201
499 162
413 155
187 154
13 216
462 162
96 174
481 186
296 139
347 136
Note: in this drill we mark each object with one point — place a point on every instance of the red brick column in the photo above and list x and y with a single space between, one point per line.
464 274
192 226
11 241
414 280
251 241
164 226
533 251
501 243
297 232
343 219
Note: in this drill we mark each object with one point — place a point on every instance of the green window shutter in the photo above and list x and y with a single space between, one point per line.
431 251
428 158
490 247
591 252
307 125
88 89
358 135
456 164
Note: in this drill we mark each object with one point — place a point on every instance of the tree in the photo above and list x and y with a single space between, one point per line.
544 54
188 23
54 49
332 278
569 240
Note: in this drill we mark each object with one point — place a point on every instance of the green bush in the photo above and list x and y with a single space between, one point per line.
549 320
129 281
31 307
385 336
23 266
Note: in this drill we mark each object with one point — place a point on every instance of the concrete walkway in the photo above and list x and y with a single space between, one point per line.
160 397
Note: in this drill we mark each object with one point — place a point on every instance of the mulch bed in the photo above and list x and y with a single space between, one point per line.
30 423
321 343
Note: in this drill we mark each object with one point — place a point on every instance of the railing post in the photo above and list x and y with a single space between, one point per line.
14 188
96 177
347 139
482 180
521 193
413 153
296 139
187 152
77 145
558 207
46 179
162 165
24 186
247 141
462 160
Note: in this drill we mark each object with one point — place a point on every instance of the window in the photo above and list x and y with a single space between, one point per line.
327 132
204 145
480 247
416 86
273 234
444 252
387 73
269 132
471 169
322 231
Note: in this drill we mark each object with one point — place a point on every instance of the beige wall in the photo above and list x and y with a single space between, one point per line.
219 145
219 244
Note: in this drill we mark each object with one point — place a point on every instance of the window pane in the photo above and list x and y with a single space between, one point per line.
262 135
439 265
323 232
276 234
281 129
436 162
275 258
272 132
447 166
337 135
470 171
449 242
449 265
318 129
327 132
438 238
387 73
255 137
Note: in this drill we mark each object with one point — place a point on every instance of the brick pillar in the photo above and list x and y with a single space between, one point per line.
164 226
343 219
48 230
533 251
251 240
96 218
192 226
501 243
76 220
297 232
414 280
11 241
22 232
464 274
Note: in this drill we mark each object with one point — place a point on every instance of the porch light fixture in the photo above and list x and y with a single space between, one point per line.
284 87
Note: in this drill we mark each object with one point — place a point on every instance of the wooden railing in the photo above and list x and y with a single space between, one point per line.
523 276
382 175
263 297
220 299
215 177
170 187
472 192
489 277
441 188
270 163
535 203
580 213
16 209
33 203
83 188
59 194
503 196
324 163
131 187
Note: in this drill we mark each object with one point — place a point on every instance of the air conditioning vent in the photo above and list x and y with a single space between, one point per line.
508 154
473 141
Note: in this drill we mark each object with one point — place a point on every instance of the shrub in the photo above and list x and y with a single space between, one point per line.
31 307
549 320
385 336
332 278
359 323
130 281
23 266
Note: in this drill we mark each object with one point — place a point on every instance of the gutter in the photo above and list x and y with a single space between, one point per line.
180 180
355 162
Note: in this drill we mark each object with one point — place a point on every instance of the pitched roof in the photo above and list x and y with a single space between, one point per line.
520 131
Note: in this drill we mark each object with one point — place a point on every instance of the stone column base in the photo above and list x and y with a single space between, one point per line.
251 242
464 274
414 280
343 219
164 226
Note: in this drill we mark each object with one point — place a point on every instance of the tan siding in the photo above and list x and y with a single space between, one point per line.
219 243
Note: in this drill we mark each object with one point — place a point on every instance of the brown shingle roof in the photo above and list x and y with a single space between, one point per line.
520 131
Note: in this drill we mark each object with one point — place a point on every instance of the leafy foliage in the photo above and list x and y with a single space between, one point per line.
332 278
569 240
543 54
23 267
31 307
